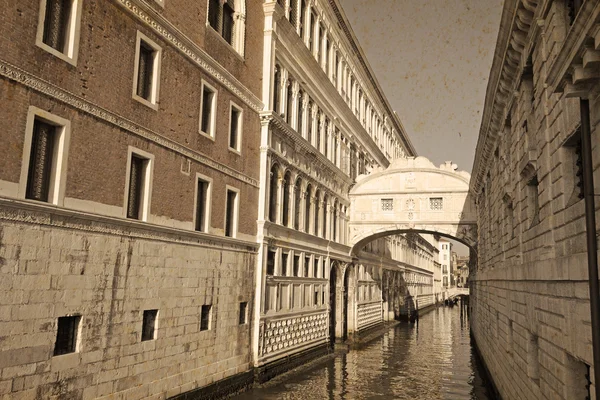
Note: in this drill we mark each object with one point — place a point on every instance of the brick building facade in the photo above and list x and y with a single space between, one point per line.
529 289
130 152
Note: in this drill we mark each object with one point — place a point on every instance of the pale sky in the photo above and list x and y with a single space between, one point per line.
432 58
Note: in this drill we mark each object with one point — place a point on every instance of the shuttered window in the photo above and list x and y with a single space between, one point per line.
234 128
136 179
206 124
220 18
145 71
40 161
56 23
230 213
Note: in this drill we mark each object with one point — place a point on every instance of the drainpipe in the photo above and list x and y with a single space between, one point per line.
590 223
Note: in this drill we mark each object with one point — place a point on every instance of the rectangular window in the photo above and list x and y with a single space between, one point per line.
316 299
202 198
56 23
296 265
315 268
387 204
66 335
58 28
137 182
284 264
149 325
231 213
306 265
208 110
436 203
270 262
40 161
235 127
243 313
147 71
205 317
533 204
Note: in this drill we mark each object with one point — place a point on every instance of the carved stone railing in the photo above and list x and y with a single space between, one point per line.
369 314
281 333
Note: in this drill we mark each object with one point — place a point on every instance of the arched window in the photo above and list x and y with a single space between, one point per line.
286 198
326 137
276 88
334 221
273 192
297 203
294 12
325 218
227 18
290 102
307 209
300 113
309 128
303 20
316 216
318 133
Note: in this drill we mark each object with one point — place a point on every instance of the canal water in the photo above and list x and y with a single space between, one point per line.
431 359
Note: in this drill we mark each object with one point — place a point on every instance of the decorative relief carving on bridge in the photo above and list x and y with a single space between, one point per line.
368 314
280 334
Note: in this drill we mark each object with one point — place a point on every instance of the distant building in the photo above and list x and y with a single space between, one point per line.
445 254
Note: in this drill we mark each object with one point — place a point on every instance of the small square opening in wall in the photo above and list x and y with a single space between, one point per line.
66 335
205 317
243 313
149 325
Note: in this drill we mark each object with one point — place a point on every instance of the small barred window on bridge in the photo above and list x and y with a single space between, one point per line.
387 204
436 203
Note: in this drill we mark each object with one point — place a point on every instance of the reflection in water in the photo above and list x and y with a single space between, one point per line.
429 360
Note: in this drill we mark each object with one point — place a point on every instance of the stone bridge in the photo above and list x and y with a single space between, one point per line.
412 195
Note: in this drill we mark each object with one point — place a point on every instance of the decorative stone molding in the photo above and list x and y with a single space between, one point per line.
509 60
26 212
27 79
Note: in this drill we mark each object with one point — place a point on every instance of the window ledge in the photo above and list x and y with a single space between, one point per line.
207 135
234 151
56 53
145 102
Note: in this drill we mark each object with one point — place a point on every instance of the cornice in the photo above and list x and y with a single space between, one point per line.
42 214
295 57
170 34
344 24
27 79
586 18
517 27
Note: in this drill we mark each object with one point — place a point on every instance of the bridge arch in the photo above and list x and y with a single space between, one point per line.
412 195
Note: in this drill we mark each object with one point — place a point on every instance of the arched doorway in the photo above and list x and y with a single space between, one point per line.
332 303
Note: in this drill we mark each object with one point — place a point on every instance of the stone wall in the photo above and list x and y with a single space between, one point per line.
56 263
529 291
